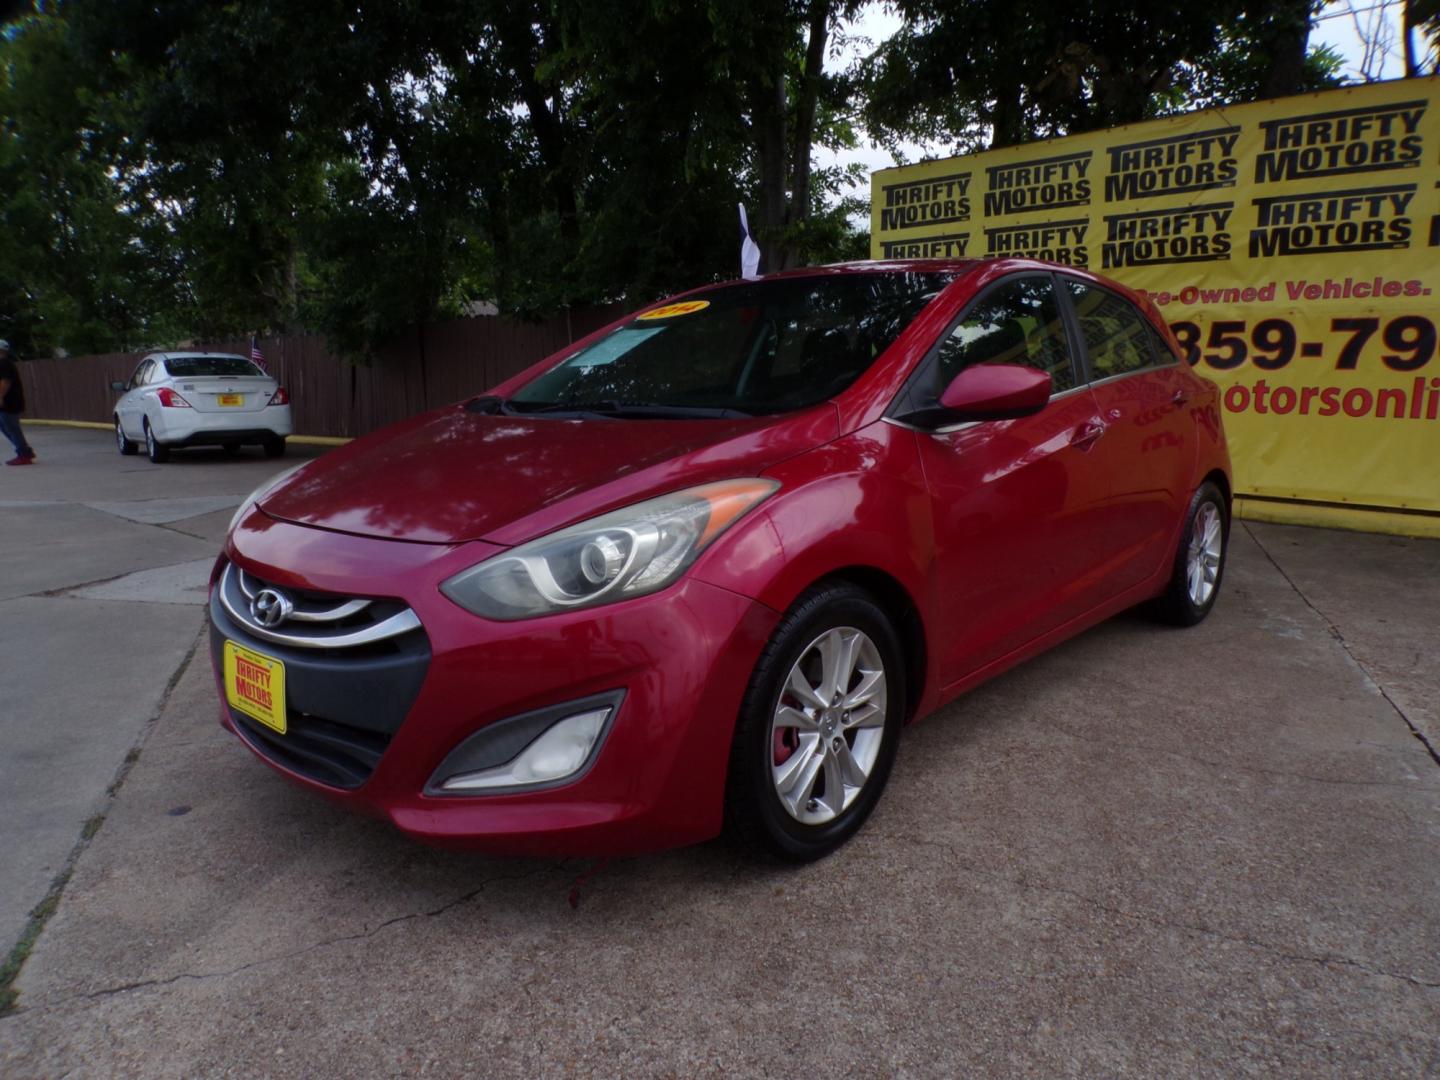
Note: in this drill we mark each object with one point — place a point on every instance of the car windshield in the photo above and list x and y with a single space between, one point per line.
185 367
757 347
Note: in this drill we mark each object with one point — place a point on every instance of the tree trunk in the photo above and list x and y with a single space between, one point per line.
1285 38
1007 121
521 48
819 20
1407 35
769 112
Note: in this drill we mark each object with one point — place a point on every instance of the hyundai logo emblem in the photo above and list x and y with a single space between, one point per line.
271 607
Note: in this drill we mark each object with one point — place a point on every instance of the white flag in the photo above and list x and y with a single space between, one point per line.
749 250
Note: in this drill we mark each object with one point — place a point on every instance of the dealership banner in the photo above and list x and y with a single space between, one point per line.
1292 245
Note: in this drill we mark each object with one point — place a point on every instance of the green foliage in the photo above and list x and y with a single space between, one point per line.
82 266
183 168
988 74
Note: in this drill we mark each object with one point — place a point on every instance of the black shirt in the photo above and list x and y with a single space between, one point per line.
15 396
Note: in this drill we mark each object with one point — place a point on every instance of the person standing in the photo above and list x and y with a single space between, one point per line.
12 404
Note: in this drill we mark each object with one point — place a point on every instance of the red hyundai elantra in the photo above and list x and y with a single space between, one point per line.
699 569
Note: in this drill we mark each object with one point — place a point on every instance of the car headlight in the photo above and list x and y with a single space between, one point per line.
259 493
620 555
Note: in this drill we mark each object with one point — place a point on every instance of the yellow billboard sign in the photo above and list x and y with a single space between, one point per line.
1292 245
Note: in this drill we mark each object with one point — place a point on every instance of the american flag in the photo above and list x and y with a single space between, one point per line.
255 353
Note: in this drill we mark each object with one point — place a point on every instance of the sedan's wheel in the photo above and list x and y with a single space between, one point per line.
124 445
1199 562
274 448
157 453
818 729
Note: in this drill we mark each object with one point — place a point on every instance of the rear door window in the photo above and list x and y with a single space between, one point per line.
1118 339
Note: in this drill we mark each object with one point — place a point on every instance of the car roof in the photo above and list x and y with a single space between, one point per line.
996 266
959 267
879 266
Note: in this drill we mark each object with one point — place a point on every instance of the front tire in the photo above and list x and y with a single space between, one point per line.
126 446
1199 561
155 451
818 727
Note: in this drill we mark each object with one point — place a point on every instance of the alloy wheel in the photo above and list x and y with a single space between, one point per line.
828 725
1202 560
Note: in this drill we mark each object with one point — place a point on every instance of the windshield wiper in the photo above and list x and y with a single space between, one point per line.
628 410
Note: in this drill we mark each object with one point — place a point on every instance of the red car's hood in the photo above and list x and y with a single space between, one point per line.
453 475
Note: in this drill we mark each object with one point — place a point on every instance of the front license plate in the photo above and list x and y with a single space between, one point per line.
255 685
230 399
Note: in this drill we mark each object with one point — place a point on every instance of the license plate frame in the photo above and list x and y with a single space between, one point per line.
232 401
255 685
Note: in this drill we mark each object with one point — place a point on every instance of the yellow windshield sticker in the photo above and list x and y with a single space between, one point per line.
669 311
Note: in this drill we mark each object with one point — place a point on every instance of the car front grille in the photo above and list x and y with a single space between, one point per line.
316 620
353 668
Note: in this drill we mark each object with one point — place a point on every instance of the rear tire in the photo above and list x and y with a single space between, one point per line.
1199 561
818 726
274 448
155 451
126 446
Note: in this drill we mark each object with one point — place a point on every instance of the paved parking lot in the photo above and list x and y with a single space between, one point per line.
1149 852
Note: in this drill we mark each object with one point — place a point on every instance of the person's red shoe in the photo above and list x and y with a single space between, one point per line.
21 461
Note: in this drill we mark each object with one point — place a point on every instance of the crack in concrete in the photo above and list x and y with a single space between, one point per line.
1278 951
1417 785
61 590
71 592
50 903
205 976
1345 645
174 526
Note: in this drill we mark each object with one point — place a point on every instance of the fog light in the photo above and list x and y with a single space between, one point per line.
558 752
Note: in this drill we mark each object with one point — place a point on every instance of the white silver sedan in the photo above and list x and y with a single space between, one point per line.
178 399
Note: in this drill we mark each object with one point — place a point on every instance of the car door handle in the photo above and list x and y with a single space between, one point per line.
1088 435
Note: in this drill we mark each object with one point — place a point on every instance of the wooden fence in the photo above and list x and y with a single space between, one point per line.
426 368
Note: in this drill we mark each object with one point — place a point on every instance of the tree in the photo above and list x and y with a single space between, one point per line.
1422 17
979 75
83 268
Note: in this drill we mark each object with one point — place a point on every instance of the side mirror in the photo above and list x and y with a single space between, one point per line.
119 387
995 392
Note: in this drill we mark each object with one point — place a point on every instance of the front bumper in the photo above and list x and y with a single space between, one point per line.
682 658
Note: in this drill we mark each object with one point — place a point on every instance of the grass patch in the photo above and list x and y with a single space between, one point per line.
39 916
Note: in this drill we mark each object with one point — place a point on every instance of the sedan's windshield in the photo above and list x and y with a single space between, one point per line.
185 367
758 347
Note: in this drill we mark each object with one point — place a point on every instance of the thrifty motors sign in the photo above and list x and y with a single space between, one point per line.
1292 245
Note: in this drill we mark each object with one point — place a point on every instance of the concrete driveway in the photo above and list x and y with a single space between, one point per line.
103 560
1149 852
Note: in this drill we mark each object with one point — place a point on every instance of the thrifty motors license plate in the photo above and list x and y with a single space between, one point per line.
230 399
255 685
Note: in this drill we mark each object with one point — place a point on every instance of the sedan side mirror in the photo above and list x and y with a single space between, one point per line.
119 387
995 392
